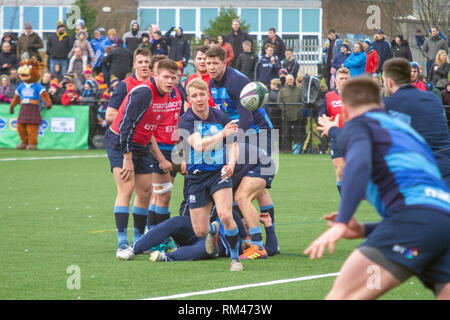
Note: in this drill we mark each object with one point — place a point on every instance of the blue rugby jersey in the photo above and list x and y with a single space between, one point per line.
208 160
226 94
392 163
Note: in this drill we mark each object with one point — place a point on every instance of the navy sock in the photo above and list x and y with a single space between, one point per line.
270 210
151 221
256 236
121 215
162 214
232 237
140 221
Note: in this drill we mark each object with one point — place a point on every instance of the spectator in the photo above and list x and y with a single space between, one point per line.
29 43
54 91
446 95
6 90
431 47
331 49
338 61
70 96
235 38
382 47
268 66
14 78
420 38
213 42
145 43
8 37
77 63
86 49
57 73
247 60
277 42
111 38
356 62
299 81
438 74
89 78
98 47
46 79
275 86
229 53
8 58
371 57
292 114
159 45
415 73
180 49
132 38
58 48
79 26
120 60
400 48
290 63
282 74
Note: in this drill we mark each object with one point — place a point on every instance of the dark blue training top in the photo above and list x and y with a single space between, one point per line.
392 163
424 112
227 95
208 160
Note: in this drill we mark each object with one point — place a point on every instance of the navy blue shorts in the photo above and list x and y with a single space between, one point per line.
417 239
334 149
155 163
201 187
141 160
258 172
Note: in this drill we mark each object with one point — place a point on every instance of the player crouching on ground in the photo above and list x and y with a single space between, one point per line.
393 165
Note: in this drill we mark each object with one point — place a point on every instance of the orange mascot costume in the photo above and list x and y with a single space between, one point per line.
29 93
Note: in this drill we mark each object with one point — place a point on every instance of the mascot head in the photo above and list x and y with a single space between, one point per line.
29 70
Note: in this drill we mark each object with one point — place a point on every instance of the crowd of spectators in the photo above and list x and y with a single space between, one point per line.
86 67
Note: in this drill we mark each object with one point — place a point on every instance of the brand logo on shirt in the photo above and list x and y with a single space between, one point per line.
437 194
336 103
409 253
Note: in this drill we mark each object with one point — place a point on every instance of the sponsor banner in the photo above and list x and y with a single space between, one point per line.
62 127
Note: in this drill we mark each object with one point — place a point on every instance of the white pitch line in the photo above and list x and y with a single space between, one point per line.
55 157
244 286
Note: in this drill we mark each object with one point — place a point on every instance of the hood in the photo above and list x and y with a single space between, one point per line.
131 27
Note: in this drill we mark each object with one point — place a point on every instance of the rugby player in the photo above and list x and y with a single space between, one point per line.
332 109
393 165
128 142
226 85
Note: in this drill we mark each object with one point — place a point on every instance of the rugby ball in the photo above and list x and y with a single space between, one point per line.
254 95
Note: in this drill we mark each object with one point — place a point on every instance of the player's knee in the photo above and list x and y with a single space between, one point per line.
200 231
241 198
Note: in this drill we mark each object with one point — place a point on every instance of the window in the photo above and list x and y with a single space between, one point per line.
310 20
207 14
50 18
187 19
166 19
269 19
31 15
291 20
251 17
147 17
11 18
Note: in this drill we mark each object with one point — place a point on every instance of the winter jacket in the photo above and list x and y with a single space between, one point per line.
180 48
292 94
279 47
339 60
236 42
336 49
439 77
98 46
246 63
356 63
229 53
30 44
58 46
292 67
371 61
131 39
266 71
86 50
432 45
401 51
8 58
120 60
383 49
160 46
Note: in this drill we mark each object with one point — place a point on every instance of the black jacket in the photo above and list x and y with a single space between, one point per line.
291 67
279 47
120 60
10 59
58 49
246 63
236 42
160 46
180 48
400 51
